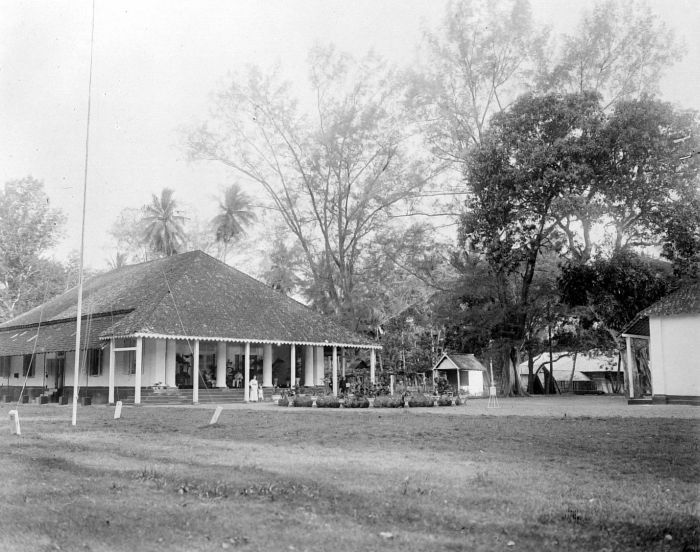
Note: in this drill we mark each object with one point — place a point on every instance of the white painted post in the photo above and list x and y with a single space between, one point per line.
318 366
391 384
118 410
221 364
630 361
308 365
195 373
458 384
139 367
246 374
343 362
292 365
112 362
215 417
14 423
170 361
335 371
267 365
372 365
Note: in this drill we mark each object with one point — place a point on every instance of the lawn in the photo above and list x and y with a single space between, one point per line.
377 479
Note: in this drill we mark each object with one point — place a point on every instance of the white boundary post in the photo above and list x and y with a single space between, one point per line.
14 423
215 417
118 410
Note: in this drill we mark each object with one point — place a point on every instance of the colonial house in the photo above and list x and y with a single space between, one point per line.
663 350
462 371
187 321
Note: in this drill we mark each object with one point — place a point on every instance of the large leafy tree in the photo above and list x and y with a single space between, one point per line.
29 226
163 228
334 174
235 213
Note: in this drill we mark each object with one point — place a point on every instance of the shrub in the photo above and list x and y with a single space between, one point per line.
283 401
388 401
458 401
357 402
420 400
444 400
327 401
303 400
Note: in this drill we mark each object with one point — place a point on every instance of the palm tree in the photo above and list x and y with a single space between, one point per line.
234 214
163 230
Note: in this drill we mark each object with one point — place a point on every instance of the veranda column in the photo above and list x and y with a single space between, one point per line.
221 364
343 360
170 359
458 371
308 365
292 365
267 365
246 373
630 360
112 360
335 371
372 365
318 368
195 373
139 367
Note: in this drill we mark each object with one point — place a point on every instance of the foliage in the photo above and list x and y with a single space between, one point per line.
334 177
303 400
389 401
444 400
283 401
613 290
235 213
356 402
163 225
420 400
28 228
619 50
327 401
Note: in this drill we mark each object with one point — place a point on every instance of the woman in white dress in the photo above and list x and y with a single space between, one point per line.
253 395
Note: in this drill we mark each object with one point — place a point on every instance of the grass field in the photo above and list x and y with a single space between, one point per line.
310 479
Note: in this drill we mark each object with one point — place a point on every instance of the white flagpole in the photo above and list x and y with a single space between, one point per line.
76 368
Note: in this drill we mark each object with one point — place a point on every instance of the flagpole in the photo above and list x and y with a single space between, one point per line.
79 316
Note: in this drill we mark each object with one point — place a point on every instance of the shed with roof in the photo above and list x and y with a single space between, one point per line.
663 349
463 371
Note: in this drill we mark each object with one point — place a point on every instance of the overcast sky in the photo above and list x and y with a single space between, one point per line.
157 61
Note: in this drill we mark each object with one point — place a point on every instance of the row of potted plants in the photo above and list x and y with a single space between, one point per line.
381 401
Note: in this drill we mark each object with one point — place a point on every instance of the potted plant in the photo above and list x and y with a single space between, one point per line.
159 388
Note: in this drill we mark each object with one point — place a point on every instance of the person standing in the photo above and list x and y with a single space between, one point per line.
253 395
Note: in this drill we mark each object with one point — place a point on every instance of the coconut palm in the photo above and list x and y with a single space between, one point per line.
163 230
234 214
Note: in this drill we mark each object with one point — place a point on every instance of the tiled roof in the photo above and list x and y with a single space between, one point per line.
459 361
192 295
686 300
53 337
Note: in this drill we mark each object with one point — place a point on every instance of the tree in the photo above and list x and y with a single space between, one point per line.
532 156
334 175
619 50
28 228
162 225
234 215
486 55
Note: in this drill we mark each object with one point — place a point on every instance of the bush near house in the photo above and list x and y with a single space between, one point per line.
303 400
444 400
328 401
389 401
421 400
357 402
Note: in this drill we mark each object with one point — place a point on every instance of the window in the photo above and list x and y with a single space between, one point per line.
5 364
28 366
93 362
130 362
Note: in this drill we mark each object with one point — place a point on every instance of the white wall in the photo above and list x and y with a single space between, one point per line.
476 383
674 351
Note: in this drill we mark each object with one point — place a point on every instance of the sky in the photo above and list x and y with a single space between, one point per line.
157 62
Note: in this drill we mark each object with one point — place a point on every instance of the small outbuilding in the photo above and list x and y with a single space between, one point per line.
663 350
463 371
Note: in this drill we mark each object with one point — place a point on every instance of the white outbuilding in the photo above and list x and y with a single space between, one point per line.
663 350
463 371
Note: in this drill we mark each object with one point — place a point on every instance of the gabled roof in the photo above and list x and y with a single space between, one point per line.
458 361
685 300
191 295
